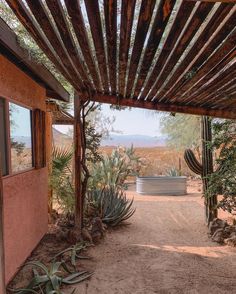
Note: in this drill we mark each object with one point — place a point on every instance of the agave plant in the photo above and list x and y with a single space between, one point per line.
111 205
49 280
173 172
74 252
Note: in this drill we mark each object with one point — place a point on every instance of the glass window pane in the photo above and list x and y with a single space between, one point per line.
3 149
21 138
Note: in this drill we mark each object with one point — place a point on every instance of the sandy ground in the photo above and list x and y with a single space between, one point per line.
165 249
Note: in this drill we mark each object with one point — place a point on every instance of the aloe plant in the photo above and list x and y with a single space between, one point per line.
49 280
111 205
74 252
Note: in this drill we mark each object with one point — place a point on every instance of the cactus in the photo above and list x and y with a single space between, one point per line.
205 168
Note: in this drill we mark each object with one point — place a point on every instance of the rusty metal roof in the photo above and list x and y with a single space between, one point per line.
170 55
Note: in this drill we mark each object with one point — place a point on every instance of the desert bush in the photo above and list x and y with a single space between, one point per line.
114 169
110 204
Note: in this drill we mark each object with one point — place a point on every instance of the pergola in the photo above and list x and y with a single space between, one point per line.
176 56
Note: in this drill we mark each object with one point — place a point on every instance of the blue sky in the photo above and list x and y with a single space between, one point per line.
130 122
21 118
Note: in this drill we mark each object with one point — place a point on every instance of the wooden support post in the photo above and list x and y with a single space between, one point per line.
2 258
78 167
49 139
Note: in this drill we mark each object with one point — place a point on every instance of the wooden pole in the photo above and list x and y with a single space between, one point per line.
78 168
49 157
2 257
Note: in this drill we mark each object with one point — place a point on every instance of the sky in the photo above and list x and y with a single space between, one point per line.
130 122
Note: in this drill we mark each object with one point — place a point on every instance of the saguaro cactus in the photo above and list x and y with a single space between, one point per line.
205 168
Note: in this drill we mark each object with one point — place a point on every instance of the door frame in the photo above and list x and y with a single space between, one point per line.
2 256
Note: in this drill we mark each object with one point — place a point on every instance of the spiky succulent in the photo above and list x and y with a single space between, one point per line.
49 280
111 205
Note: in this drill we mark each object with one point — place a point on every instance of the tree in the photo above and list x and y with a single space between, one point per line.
183 131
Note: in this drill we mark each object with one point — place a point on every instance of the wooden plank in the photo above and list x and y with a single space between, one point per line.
2 257
59 17
207 89
9 47
93 13
177 27
38 10
214 1
196 21
145 16
32 27
209 30
127 17
114 100
77 158
76 17
110 11
225 53
161 19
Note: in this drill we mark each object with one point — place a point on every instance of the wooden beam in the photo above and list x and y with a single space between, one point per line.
197 19
213 1
127 17
161 19
77 158
10 48
76 18
179 23
24 16
110 11
2 257
92 8
114 100
188 64
145 16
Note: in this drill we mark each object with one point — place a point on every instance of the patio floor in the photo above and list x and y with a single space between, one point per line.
165 250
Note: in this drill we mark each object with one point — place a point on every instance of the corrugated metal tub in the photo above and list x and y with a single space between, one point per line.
161 185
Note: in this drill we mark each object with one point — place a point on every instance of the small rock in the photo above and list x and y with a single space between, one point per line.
219 236
217 224
86 235
231 241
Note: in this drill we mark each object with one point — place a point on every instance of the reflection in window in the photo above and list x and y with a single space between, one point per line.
21 138
3 145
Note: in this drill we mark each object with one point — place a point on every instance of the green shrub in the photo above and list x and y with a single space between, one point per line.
110 204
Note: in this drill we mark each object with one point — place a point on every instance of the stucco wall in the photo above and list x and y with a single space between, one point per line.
25 194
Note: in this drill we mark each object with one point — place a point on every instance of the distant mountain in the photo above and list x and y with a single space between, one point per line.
114 140
23 139
60 138
136 140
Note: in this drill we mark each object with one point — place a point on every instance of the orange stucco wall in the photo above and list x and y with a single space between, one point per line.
25 194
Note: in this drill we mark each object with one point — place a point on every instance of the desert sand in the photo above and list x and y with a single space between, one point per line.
165 249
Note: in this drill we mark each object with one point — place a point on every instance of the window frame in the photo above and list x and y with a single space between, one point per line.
10 172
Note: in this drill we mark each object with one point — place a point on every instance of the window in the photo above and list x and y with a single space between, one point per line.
20 138
3 143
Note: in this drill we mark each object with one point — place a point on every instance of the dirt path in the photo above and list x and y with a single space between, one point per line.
164 250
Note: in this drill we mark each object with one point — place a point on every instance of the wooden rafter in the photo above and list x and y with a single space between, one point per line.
10 48
165 107
178 58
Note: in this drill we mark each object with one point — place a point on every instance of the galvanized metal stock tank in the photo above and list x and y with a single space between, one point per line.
161 185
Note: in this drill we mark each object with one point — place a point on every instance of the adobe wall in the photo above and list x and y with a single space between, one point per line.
25 194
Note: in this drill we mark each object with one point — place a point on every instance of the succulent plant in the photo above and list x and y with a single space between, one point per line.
50 280
205 168
111 205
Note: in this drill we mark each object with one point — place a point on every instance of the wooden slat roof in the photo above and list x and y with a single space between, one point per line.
10 48
172 55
